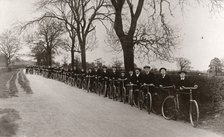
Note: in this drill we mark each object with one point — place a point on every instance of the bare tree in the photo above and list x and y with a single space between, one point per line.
99 62
183 63
117 63
48 36
152 39
82 15
9 45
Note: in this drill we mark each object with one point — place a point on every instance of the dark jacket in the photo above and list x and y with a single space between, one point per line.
165 81
114 75
148 78
186 82
131 79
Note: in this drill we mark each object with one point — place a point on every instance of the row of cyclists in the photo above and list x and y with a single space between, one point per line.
132 87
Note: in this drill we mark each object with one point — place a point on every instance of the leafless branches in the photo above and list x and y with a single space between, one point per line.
9 45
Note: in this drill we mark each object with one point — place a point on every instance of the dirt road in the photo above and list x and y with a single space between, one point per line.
58 110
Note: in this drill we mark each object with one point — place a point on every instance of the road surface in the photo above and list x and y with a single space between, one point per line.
58 110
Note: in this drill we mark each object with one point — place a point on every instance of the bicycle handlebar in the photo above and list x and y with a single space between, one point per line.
167 87
148 85
130 85
190 88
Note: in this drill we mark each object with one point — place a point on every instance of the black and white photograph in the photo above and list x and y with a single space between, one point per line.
111 68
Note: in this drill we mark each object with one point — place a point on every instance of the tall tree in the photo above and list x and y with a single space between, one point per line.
39 54
215 66
61 11
48 36
9 46
83 14
146 38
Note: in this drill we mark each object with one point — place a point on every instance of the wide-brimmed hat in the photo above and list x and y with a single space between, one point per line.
138 69
146 67
162 69
182 71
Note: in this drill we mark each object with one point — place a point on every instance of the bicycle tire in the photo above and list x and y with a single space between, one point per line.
169 106
124 95
149 102
79 83
114 92
140 100
135 98
99 88
194 113
84 85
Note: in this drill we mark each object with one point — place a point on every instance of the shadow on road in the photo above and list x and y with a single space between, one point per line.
8 125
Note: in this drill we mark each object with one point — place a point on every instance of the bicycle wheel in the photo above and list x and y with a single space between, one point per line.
149 102
84 84
135 98
130 97
88 86
194 113
79 83
124 98
140 100
169 107
114 92
105 91
99 88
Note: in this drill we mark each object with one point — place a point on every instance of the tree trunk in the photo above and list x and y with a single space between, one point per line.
83 55
72 55
72 60
128 51
49 58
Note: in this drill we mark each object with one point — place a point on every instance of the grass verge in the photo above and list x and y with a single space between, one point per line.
6 77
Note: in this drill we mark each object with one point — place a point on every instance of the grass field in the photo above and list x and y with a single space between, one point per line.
4 78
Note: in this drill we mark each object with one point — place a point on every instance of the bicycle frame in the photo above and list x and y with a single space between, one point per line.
130 97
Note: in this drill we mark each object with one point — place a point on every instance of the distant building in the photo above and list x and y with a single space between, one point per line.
2 61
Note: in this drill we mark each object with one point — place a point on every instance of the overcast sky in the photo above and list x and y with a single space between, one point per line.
202 33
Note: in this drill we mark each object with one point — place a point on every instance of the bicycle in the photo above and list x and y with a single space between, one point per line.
157 98
86 83
131 97
122 89
145 99
113 92
171 106
105 86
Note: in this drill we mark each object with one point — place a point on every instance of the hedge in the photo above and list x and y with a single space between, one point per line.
210 93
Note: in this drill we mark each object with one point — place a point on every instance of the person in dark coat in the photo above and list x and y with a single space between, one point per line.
122 80
131 77
184 81
148 77
163 81
138 77
114 74
105 77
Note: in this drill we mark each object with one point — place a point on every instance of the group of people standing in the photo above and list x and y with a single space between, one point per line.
133 76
